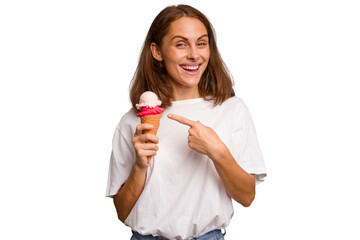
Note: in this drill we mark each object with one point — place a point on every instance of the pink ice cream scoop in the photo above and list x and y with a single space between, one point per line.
149 104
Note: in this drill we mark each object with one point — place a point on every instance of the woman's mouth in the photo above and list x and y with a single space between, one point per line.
191 69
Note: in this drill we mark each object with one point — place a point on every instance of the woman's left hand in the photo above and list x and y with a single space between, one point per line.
201 138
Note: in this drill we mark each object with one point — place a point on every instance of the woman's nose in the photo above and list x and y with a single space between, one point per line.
193 53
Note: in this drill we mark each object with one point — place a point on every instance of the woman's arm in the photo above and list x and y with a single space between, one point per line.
238 183
131 190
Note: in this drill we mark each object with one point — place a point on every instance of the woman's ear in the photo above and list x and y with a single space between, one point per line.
155 51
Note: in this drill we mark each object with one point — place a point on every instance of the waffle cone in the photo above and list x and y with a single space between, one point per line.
155 121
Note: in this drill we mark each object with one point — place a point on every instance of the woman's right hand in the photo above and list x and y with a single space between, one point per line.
145 144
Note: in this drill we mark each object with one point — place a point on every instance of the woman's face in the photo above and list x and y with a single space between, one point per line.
185 52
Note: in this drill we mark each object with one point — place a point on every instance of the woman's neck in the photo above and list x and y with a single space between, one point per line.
185 93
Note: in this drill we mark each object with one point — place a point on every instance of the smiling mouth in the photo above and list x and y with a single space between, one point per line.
191 68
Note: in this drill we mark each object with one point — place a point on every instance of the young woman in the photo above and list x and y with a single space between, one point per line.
206 151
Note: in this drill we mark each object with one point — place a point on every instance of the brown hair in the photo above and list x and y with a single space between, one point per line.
151 75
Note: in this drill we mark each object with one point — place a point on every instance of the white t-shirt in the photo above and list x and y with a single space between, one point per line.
184 196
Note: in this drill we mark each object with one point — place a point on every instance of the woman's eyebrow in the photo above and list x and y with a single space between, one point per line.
178 36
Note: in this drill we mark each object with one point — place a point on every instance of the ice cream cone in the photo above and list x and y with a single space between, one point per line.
155 121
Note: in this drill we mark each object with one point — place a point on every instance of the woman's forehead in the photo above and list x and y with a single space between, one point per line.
187 27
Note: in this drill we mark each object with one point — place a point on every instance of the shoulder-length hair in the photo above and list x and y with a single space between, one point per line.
151 75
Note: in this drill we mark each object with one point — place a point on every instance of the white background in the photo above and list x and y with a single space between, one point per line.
65 68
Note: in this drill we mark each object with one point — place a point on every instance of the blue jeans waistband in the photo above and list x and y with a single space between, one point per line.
213 235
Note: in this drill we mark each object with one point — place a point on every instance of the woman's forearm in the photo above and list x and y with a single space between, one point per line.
129 192
238 183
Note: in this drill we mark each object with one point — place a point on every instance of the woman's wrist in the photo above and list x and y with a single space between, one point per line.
139 167
219 152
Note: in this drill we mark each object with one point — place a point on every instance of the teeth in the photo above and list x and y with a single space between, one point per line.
191 67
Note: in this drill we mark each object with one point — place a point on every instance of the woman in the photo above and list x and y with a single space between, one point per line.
206 151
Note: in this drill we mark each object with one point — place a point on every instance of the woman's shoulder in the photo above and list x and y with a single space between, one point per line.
128 120
234 103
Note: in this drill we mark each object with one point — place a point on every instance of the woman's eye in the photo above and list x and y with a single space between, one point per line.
180 44
202 43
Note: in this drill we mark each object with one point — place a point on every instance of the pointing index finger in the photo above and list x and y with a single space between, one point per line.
181 119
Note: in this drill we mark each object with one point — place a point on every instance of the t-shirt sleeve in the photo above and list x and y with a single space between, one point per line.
121 161
246 147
